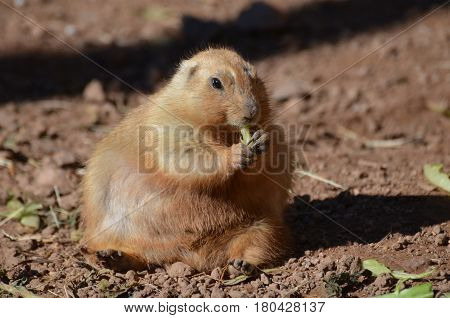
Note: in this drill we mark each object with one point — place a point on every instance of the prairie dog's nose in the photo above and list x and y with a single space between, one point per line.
250 109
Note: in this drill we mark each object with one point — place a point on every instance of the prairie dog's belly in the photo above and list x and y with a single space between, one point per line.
135 206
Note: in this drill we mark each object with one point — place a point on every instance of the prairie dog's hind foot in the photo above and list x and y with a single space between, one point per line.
119 261
103 254
242 266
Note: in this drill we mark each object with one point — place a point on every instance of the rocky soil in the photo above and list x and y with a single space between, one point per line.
370 115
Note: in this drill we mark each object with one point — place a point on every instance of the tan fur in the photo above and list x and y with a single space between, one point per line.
162 215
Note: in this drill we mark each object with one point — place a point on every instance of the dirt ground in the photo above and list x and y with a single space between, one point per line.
370 108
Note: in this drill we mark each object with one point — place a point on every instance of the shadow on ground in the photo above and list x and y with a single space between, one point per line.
363 219
259 31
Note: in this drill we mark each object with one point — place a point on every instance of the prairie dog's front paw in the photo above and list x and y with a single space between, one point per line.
259 142
245 154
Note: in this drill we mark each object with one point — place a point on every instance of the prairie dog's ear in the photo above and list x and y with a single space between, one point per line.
187 69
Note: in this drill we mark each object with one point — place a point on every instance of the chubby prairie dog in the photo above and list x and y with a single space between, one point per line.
174 182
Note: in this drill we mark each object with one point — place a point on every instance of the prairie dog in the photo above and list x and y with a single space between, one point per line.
148 194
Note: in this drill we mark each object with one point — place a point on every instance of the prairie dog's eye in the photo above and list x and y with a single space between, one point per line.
216 83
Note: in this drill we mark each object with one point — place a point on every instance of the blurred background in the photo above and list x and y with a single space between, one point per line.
370 78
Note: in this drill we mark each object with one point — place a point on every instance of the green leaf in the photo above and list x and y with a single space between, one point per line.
103 285
375 267
32 208
14 204
434 174
14 214
14 209
405 276
236 280
26 213
272 270
17 291
399 286
245 133
419 291
31 221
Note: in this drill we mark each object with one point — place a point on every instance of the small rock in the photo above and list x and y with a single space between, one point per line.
49 230
235 294
415 263
216 273
409 239
70 30
131 275
183 282
326 265
274 287
355 266
291 261
217 292
188 291
436 230
383 280
397 246
49 176
28 245
264 279
180 269
63 158
441 239
256 283
94 92
70 201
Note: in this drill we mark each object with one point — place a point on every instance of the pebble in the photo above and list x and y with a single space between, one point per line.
264 279
235 294
436 230
383 280
441 239
217 293
131 275
94 92
180 269
256 283
28 245
414 263
49 230
63 158
70 30
188 291
216 273
47 177
397 246
183 282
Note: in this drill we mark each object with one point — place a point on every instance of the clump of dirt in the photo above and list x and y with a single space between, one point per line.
370 130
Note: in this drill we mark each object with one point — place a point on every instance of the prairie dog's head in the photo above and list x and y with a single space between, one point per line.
218 87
